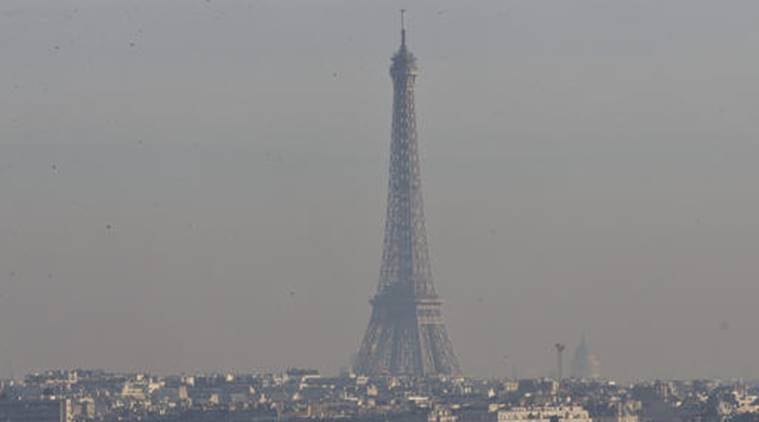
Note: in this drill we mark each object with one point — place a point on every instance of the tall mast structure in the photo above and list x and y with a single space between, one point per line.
406 334
559 361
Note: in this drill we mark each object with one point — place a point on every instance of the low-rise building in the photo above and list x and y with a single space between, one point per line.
36 411
545 414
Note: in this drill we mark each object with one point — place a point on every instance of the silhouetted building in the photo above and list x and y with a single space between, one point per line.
35 411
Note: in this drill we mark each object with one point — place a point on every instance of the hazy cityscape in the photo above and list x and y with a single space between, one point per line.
302 394
213 211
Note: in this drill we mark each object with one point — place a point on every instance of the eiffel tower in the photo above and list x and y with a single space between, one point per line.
406 334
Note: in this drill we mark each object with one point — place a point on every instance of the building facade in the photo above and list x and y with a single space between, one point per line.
545 414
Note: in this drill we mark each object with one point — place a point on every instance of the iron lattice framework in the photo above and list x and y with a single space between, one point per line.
406 334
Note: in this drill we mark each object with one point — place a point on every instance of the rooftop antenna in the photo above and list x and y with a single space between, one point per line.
403 28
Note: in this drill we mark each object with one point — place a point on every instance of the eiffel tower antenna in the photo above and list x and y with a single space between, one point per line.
403 28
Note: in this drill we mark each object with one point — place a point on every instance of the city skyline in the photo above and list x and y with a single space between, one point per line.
200 185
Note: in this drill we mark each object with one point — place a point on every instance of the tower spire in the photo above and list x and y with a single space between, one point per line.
403 28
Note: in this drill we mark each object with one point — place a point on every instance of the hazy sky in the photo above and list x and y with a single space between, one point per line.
171 170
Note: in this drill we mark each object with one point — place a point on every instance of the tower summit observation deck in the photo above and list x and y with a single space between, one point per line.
406 334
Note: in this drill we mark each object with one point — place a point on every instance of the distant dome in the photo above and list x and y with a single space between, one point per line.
585 365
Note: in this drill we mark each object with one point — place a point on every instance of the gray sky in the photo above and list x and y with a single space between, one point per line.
170 170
